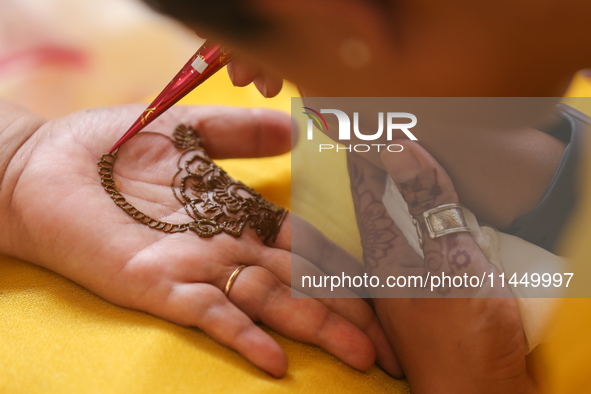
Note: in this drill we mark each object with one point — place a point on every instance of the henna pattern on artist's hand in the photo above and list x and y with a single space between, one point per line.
419 196
376 227
433 260
444 254
457 258
215 202
378 230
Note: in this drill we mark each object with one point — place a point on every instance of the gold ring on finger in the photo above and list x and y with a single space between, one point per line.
232 279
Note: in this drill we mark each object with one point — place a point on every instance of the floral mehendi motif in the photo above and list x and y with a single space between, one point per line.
213 200
376 227
418 196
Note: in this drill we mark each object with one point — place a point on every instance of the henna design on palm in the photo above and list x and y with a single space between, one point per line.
214 201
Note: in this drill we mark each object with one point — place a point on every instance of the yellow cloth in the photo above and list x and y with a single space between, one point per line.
56 337
568 352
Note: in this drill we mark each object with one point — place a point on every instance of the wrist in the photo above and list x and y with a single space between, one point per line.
17 128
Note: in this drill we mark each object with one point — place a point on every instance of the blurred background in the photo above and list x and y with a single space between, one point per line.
58 56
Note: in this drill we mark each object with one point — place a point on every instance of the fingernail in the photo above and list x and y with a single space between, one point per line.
265 88
231 74
402 166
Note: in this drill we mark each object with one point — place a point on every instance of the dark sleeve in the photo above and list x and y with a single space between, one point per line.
544 225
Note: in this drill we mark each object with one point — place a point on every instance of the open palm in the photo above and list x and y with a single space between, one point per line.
60 217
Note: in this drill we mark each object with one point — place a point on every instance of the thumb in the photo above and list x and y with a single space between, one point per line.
423 183
449 250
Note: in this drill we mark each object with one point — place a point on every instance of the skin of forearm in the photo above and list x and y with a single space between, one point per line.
17 129
499 175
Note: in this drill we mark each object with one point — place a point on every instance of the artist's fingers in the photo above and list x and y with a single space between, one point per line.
386 252
229 132
380 236
424 185
243 72
206 307
263 297
268 84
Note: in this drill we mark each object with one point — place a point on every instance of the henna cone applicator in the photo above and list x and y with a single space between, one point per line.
209 59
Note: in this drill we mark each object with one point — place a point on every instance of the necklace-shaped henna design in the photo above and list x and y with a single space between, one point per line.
215 202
